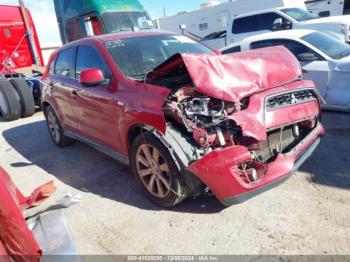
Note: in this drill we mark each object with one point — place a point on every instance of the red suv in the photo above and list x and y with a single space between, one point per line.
186 119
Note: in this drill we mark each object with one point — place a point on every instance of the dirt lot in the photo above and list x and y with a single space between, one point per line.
309 214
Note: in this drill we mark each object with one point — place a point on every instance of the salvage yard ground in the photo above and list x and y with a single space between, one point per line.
309 214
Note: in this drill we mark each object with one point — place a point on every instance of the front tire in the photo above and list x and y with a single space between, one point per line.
156 171
55 129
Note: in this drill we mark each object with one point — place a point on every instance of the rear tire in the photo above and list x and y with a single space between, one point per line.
156 172
55 129
25 95
10 106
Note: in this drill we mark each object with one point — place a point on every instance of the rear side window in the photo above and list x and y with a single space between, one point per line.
87 58
255 23
52 67
235 49
64 62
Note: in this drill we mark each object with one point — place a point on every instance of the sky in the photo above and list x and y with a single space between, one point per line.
46 24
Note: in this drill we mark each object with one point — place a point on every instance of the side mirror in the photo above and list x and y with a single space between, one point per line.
307 57
279 24
91 77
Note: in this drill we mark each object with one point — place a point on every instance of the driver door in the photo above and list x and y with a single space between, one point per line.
95 111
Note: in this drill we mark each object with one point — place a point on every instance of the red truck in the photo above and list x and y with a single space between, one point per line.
19 51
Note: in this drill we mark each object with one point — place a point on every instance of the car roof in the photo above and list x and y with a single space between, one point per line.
261 12
294 33
116 36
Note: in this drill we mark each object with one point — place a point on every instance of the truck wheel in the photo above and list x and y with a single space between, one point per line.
156 172
10 106
25 95
55 129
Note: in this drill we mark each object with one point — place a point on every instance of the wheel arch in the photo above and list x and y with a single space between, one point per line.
182 152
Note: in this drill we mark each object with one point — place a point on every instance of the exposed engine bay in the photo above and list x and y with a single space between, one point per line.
204 117
206 120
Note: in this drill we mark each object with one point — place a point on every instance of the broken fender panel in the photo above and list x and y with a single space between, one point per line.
232 77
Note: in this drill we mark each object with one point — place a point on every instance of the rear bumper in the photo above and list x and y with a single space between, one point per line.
219 169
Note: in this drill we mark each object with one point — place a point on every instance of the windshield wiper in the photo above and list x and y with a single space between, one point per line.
138 77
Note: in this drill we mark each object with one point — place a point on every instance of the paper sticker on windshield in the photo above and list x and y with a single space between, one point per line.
184 39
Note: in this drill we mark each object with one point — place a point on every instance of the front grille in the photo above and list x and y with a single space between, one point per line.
288 99
283 140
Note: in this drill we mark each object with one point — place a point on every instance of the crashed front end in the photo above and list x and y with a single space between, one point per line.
247 120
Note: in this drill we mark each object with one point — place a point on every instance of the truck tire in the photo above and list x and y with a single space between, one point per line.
25 95
10 106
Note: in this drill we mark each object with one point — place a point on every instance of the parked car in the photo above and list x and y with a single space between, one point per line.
325 60
277 19
184 118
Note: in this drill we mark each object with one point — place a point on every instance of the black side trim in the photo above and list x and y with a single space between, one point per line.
107 151
246 196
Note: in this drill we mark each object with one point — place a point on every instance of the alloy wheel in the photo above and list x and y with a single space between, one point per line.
53 126
153 171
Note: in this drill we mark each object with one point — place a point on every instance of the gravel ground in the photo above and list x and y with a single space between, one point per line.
309 214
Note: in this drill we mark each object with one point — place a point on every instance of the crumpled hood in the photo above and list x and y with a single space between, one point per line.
234 76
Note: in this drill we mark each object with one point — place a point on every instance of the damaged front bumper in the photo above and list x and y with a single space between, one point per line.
221 169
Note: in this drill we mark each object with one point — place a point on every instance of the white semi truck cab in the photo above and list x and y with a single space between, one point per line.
276 19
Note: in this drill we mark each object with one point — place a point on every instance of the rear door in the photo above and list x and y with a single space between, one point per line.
95 110
316 70
61 85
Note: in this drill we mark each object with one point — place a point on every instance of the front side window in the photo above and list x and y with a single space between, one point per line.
73 29
299 14
63 65
137 56
328 45
294 47
266 21
87 58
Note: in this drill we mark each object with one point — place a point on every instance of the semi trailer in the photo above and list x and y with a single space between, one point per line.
21 62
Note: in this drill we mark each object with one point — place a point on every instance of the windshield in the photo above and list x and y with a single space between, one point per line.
299 14
126 21
327 44
137 56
